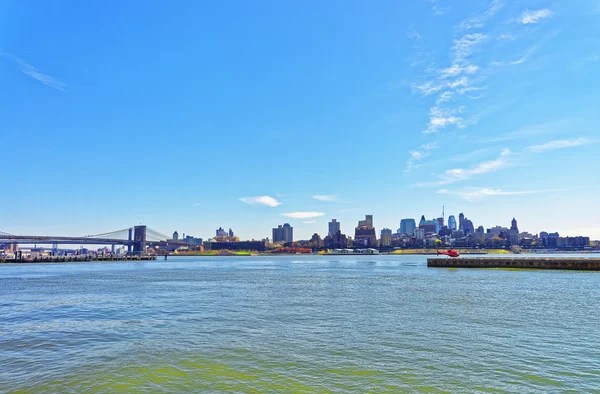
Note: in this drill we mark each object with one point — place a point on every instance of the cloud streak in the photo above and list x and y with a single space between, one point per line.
261 200
529 17
440 118
479 193
329 198
462 174
559 144
34 73
479 21
303 215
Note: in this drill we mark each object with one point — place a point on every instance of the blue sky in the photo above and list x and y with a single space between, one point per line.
192 115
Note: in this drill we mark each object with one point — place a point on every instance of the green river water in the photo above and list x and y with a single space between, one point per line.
298 325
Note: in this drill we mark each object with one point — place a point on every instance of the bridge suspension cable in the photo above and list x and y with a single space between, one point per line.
150 233
112 234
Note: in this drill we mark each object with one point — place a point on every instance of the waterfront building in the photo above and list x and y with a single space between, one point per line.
513 233
283 233
497 231
407 226
573 242
192 240
513 237
364 234
430 226
469 227
386 237
278 234
549 240
334 227
452 223
368 222
457 234
316 241
336 241
420 233
221 233
175 236
461 222
231 233
259 246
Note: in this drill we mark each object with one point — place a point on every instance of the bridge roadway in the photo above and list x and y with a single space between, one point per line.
36 239
136 238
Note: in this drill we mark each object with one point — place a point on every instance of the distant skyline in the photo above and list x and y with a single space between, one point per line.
191 116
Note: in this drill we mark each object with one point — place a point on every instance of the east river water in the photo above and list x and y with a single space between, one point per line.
296 324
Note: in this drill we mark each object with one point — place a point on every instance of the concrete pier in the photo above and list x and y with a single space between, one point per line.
552 263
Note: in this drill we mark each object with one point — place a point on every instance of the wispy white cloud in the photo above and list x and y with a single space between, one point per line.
261 200
470 89
437 8
457 69
429 145
479 21
529 17
34 73
429 87
416 155
440 118
442 98
326 197
559 144
467 45
506 37
479 193
303 215
462 174
527 54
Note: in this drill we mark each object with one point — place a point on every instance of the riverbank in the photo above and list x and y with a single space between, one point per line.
70 259
226 253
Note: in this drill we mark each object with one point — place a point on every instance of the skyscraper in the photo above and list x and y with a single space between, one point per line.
288 233
364 234
513 225
451 222
283 233
368 222
175 236
334 227
430 226
408 226
469 227
513 233
461 221
386 237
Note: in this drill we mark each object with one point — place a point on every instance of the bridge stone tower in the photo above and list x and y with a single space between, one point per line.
139 239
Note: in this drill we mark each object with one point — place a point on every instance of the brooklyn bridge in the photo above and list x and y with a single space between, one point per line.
135 238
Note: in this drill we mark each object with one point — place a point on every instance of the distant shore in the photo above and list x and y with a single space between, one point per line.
392 253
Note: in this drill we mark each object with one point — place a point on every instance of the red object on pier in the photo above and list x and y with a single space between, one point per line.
449 252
